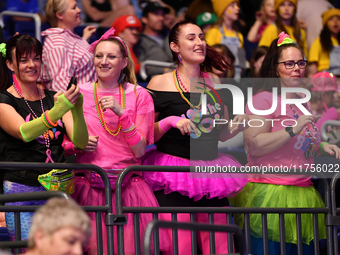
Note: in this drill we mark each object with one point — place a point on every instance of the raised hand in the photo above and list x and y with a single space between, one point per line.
109 102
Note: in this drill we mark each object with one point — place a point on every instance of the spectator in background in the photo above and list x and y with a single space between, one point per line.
128 28
325 50
264 17
206 20
228 73
226 32
107 11
256 61
197 7
65 54
151 45
286 21
309 11
42 7
59 227
322 98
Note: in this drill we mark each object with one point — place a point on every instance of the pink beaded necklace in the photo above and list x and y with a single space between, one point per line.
45 135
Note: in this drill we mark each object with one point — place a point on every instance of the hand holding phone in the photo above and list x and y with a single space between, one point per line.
74 81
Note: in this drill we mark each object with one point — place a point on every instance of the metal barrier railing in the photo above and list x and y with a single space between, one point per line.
333 219
145 64
239 243
111 219
229 211
107 208
34 16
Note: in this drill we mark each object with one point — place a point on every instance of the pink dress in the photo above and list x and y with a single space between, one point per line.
113 153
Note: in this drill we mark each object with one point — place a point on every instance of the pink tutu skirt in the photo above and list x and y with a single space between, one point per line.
136 193
195 184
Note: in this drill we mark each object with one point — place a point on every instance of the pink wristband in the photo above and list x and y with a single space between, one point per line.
69 148
169 122
125 120
131 135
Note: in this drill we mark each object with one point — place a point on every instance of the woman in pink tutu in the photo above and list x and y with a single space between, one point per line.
119 115
185 136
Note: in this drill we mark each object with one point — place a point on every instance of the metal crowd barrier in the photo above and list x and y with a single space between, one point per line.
34 16
333 219
110 219
145 64
229 211
239 242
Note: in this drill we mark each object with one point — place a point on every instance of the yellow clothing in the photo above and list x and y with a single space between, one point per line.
317 54
214 36
271 33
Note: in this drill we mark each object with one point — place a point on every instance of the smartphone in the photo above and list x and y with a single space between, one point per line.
72 81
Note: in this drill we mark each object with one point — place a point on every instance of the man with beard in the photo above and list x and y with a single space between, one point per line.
151 45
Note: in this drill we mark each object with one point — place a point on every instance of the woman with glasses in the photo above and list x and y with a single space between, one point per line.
289 142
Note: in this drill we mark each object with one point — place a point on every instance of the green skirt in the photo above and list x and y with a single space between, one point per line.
284 196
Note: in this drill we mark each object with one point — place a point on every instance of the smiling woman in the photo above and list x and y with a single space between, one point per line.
33 121
185 136
119 115
273 145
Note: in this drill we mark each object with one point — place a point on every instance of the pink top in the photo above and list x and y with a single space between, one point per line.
65 54
291 154
113 152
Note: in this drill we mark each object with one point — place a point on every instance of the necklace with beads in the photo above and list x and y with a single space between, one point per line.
312 138
179 84
45 135
100 111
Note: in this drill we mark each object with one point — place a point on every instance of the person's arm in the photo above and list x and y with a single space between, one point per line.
60 67
93 12
253 34
260 141
116 13
233 127
13 124
161 126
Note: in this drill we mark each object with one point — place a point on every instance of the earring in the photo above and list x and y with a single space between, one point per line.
121 77
180 59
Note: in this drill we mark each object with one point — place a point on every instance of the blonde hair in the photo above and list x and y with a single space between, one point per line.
52 7
56 214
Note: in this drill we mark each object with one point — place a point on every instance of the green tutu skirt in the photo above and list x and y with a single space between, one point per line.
284 196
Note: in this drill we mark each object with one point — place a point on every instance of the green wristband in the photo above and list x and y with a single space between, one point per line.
321 147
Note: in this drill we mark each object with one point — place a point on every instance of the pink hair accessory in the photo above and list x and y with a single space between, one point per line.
284 39
108 34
